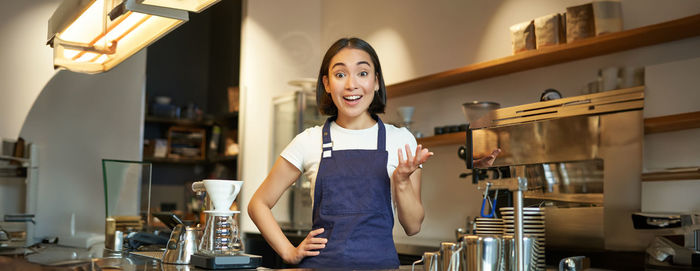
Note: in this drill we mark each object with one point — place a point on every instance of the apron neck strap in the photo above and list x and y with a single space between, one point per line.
381 134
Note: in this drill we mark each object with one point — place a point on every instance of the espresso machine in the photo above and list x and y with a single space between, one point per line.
579 158
220 246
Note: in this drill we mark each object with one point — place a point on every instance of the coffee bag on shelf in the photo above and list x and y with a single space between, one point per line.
579 22
523 36
547 30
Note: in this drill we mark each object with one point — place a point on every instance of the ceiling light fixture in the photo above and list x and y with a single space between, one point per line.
189 5
93 36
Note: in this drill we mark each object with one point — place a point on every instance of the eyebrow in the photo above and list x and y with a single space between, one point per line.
343 64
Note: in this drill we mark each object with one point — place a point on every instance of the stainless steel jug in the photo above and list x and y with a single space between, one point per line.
430 260
531 249
483 252
450 259
182 244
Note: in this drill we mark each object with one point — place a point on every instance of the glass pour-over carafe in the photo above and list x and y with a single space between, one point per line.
221 234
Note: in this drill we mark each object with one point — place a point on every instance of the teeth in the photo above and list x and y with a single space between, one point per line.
352 98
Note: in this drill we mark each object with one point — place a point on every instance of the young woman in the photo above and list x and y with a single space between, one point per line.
362 171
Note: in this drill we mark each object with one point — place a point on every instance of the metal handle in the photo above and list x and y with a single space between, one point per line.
198 187
468 150
487 200
413 266
454 260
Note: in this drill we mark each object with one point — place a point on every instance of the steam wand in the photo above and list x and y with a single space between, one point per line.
516 185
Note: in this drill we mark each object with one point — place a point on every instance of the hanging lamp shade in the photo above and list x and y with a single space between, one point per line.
189 5
93 36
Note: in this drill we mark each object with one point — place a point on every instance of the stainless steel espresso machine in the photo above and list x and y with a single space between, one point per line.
580 158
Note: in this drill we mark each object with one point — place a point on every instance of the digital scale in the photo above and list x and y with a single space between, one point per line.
241 261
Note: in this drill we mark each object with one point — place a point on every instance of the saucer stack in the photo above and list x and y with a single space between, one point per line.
488 226
533 226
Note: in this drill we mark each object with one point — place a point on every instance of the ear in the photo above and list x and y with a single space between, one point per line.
376 82
325 84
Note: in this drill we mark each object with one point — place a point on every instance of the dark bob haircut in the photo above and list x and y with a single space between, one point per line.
324 100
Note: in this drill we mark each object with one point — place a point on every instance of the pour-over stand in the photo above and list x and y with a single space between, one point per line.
221 246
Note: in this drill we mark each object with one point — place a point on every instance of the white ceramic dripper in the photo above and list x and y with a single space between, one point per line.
222 193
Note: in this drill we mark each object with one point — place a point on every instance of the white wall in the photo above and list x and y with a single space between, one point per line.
27 61
75 119
672 88
78 120
280 42
415 38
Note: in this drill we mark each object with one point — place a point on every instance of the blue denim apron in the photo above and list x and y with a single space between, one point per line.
352 202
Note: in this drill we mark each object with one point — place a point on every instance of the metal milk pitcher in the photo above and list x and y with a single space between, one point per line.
450 257
430 260
483 253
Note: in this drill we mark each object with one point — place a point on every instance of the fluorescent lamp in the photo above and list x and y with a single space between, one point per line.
93 36
190 5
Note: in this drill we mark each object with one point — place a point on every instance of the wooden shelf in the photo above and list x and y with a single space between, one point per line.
183 122
190 161
600 45
230 115
672 123
651 125
223 159
672 175
443 139
591 198
174 160
12 171
12 158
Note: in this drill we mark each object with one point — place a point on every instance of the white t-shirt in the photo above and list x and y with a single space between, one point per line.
304 152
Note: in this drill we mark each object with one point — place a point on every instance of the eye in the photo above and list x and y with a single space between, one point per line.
339 75
364 73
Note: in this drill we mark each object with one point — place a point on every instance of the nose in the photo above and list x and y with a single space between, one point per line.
350 83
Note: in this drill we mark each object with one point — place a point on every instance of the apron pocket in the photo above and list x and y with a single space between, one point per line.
344 195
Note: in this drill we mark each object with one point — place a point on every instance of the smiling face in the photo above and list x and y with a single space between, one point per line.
351 83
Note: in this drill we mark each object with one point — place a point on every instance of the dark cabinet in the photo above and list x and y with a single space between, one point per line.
190 129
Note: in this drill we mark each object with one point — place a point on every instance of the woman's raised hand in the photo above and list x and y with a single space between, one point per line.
310 246
407 166
488 160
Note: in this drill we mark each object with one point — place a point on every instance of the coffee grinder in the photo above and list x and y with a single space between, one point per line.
221 246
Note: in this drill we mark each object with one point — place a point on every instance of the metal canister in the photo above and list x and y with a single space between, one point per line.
113 238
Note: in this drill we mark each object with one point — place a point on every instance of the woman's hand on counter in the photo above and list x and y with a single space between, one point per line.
310 246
